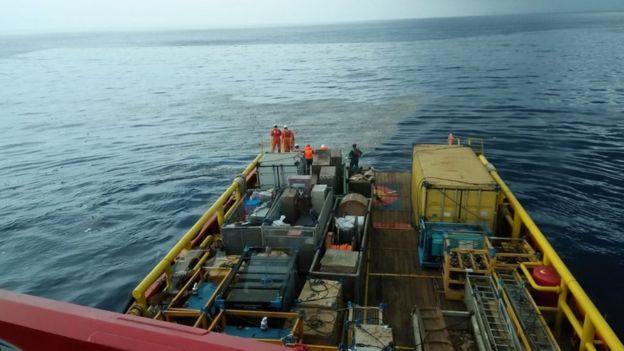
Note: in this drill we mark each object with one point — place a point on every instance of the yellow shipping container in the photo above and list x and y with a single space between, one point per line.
450 184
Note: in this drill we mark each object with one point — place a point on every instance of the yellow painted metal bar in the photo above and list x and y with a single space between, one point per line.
576 325
201 322
563 297
509 219
220 216
321 347
587 336
516 225
403 275
269 314
184 289
216 321
512 314
567 279
181 312
165 264
229 213
589 346
219 288
547 309
297 329
368 250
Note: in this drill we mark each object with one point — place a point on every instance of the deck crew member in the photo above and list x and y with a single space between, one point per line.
308 153
288 139
451 138
354 156
276 135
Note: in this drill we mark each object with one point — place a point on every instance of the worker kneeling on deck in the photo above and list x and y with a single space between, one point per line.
308 153
288 139
276 135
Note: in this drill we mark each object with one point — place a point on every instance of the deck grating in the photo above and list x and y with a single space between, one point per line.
395 277
392 204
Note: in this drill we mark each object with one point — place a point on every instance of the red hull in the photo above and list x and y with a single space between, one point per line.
34 323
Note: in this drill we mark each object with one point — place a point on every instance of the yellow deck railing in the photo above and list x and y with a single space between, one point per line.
592 322
164 266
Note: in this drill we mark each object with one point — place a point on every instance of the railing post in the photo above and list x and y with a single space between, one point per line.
588 332
516 225
168 275
220 216
563 296
237 192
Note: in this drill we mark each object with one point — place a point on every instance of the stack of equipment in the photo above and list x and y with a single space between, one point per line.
303 182
372 337
275 168
318 194
243 227
328 176
366 331
321 159
353 205
339 261
335 158
289 205
260 281
508 253
458 261
319 303
433 234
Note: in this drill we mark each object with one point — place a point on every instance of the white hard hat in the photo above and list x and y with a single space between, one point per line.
285 126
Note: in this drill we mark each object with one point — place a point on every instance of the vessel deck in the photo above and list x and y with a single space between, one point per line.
394 276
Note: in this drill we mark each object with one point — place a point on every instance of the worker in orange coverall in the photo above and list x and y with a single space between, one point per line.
288 139
276 136
308 153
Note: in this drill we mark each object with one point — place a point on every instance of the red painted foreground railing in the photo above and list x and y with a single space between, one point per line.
34 323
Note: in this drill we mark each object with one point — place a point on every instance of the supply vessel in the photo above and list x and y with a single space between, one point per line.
439 257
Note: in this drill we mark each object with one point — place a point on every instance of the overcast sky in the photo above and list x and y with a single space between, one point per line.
36 16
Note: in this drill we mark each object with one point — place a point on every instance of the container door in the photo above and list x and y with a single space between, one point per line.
442 205
478 207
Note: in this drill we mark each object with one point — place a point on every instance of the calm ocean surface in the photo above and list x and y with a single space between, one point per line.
112 145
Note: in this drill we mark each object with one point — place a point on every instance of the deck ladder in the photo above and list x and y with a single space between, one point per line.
533 325
483 300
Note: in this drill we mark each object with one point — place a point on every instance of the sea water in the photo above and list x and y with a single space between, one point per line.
113 144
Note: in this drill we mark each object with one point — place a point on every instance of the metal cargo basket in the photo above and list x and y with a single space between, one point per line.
237 236
305 239
350 281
